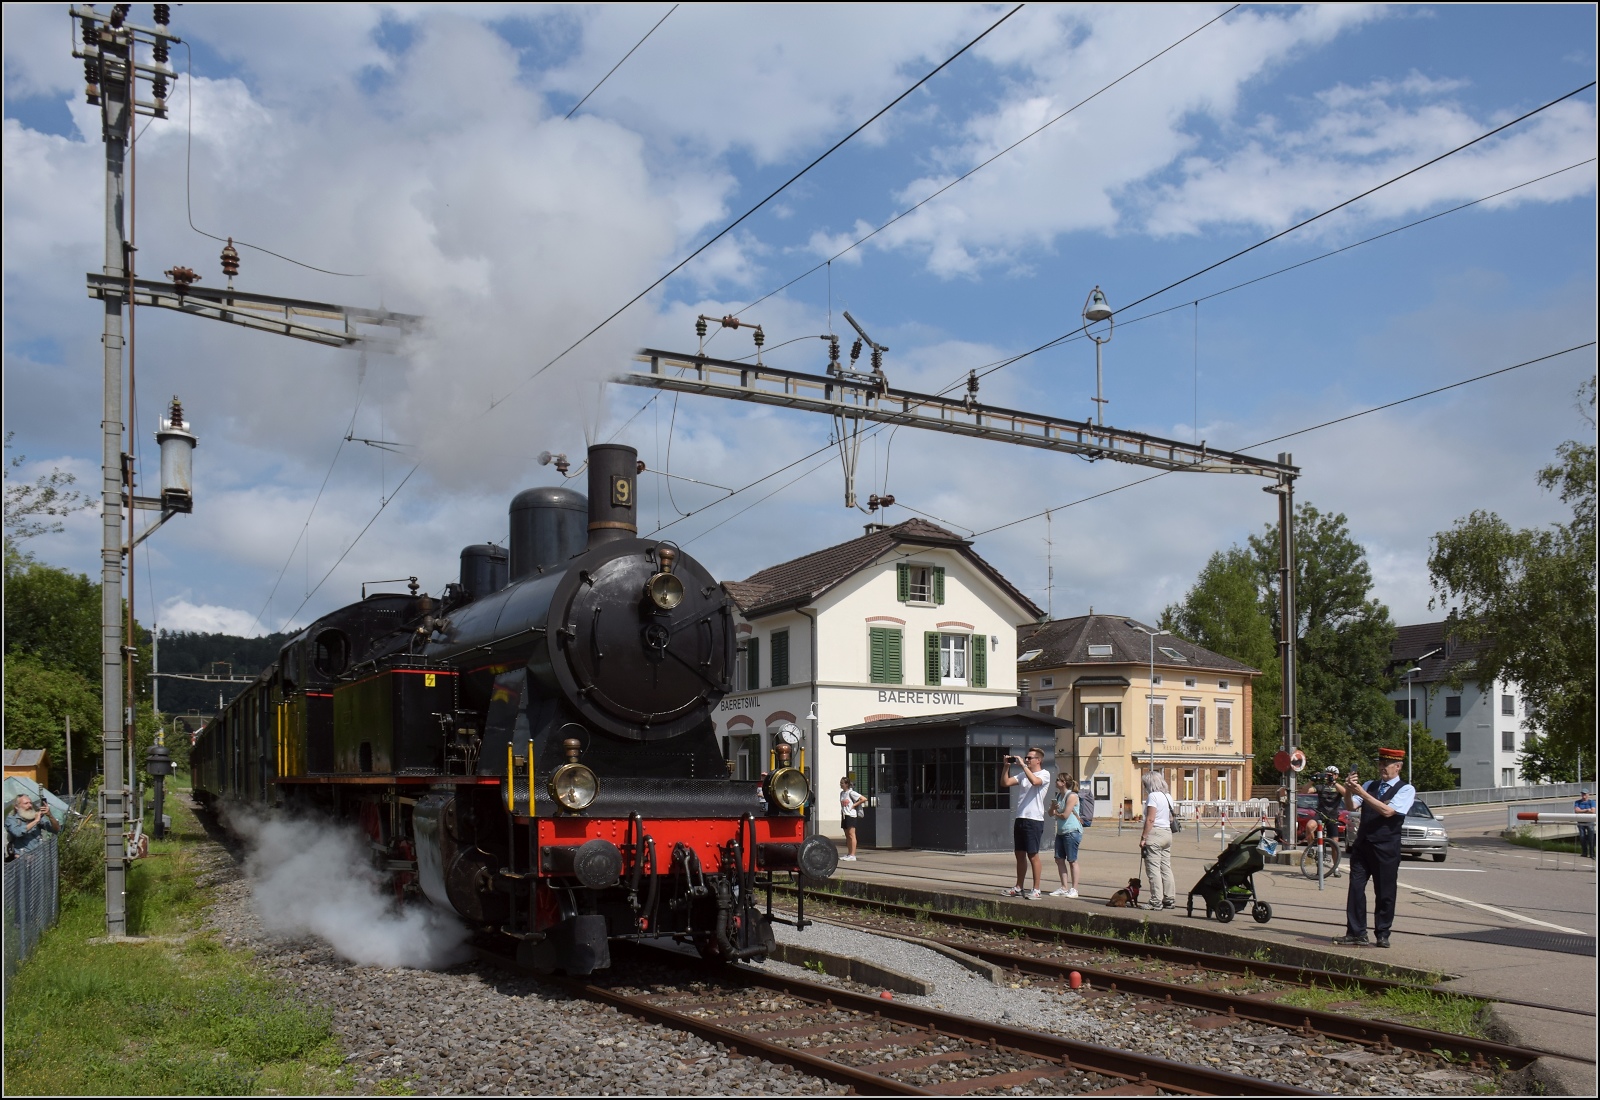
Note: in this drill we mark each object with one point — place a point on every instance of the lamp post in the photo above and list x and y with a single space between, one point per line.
1150 695
1095 310
1409 712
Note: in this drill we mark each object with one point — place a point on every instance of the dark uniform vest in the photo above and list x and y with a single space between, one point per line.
1382 833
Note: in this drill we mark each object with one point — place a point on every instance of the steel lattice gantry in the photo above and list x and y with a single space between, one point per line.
861 396
855 395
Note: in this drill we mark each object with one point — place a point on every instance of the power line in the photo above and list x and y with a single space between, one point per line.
1298 225
741 218
618 65
1303 431
305 527
188 204
983 371
980 167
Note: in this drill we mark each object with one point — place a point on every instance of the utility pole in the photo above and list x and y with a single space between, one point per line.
113 69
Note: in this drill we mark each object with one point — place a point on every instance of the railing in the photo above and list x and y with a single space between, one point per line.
32 901
1475 795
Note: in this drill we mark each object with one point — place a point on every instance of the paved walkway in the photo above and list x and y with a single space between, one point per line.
1487 887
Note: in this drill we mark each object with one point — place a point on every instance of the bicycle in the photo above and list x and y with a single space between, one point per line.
1321 851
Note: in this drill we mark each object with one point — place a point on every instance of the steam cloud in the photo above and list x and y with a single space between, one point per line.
313 877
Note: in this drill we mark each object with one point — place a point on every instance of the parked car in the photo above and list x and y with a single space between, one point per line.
1423 834
1305 807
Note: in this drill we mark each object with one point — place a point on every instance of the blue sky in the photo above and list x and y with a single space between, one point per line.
425 148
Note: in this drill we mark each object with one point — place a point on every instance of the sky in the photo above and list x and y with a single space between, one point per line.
425 153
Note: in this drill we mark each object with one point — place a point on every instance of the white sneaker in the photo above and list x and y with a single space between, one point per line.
1062 893
1034 895
847 859
1072 893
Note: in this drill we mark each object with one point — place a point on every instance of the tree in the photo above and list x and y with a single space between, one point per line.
25 504
1537 763
38 701
1343 642
52 616
1528 597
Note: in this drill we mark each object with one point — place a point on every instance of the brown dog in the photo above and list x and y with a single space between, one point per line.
1128 898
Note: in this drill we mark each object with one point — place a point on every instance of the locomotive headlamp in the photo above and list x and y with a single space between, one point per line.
788 789
664 589
573 785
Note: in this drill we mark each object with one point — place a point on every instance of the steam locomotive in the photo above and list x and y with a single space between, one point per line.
534 749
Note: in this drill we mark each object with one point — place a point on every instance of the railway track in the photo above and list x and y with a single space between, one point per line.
883 1047
1098 946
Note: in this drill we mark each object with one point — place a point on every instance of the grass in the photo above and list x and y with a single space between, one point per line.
1417 1007
178 1015
1523 838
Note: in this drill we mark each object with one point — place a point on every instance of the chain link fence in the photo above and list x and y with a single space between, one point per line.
32 901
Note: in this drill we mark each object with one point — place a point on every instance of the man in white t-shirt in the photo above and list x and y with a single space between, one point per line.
1028 828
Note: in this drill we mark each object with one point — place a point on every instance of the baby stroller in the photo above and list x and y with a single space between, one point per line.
1228 885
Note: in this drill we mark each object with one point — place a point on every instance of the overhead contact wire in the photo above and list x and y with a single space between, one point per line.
748 213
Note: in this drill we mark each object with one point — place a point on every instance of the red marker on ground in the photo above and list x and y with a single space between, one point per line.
1074 979
886 995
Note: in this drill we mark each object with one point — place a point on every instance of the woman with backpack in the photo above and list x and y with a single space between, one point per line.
1155 843
1069 831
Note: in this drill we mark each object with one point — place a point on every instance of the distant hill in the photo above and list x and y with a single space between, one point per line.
200 654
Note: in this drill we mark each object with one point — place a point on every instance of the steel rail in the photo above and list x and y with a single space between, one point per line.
1058 1052
1334 1025
1085 1056
1283 972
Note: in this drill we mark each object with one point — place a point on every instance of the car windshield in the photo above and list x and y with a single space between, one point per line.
1419 809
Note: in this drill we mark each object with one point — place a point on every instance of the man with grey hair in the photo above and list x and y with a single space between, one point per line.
1155 842
25 824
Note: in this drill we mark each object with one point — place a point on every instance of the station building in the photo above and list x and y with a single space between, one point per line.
1484 727
905 621
1130 701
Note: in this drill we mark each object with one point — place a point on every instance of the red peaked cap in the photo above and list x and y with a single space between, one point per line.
1391 754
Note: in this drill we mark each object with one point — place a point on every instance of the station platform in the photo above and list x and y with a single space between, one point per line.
1493 919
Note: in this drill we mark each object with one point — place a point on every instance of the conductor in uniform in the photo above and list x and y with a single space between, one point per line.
1384 803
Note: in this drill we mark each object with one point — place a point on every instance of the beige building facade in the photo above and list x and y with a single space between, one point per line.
1133 700
903 622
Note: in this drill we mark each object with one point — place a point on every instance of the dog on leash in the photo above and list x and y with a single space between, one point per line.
1126 898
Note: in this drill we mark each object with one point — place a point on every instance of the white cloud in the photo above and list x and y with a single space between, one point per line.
179 614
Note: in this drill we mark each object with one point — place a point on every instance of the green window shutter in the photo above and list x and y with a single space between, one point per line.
895 674
878 664
752 665
930 641
780 658
903 579
938 584
980 660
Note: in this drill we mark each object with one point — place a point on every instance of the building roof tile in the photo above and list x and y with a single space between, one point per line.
1064 642
801 580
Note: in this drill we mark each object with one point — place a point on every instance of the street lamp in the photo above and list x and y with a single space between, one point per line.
1095 310
1410 710
1150 696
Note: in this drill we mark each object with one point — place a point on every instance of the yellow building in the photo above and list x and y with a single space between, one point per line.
1133 697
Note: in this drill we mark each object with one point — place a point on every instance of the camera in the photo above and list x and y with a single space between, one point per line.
1013 760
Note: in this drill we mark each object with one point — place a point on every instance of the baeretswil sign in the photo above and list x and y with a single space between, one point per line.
742 702
926 698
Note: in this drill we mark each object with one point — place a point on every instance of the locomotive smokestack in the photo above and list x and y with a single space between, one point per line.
613 469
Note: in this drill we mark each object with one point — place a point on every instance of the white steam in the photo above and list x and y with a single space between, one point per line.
313 877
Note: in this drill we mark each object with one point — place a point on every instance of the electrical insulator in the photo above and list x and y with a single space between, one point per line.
91 33
833 353
855 352
230 261
158 86
877 361
91 76
163 14
761 337
161 51
119 12
700 328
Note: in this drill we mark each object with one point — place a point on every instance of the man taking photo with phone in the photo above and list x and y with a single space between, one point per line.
1029 825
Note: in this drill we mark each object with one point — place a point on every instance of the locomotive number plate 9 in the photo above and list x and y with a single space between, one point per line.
622 492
